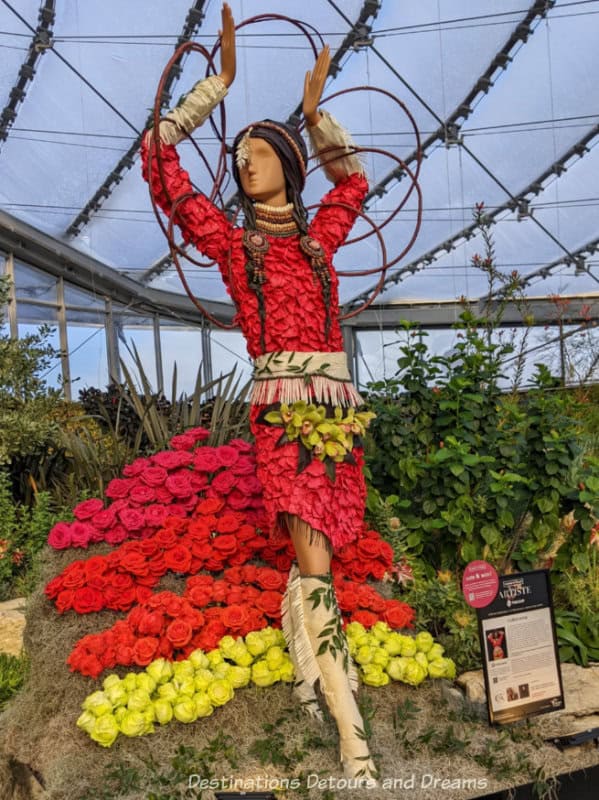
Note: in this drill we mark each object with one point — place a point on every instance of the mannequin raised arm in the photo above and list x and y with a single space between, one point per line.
228 62
313 86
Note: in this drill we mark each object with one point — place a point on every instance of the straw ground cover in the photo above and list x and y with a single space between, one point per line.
260 734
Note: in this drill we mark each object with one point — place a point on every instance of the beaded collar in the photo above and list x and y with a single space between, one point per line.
275 220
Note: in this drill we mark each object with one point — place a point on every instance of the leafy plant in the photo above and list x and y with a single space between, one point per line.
23 532
577 636
475 472
13 670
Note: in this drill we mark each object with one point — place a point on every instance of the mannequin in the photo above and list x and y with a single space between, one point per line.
279 273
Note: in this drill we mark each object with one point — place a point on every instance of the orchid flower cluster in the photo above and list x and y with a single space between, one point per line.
324 436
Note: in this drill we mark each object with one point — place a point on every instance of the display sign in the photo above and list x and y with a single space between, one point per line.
480 584
519 647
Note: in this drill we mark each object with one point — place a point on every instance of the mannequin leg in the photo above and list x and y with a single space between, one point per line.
314 626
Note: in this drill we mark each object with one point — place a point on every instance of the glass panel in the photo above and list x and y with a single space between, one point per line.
137 335
228 352
33 284
78 297
181 346
36 315
53 375
88 358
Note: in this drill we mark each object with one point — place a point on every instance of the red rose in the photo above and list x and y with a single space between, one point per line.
241 445
245 533
225 544
88 508
149 547
270 603
151 623
199 596
54 587
179 484
132 519
386 553
368 548
166 537
347 600
172 603
234 575
398 615
143 594
201 550
234 617
198 530
219 591
178 559
96 565
270 579
60 536
64 601
85 663
134 562
154 476
211 634
199 481
346 554
179 633
283 562
228 523
366 618
118 488
73 575
223 482
86 600
145 650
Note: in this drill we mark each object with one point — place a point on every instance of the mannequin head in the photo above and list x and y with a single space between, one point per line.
269 166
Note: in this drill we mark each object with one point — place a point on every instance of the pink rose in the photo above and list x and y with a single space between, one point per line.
206 460
132 518
199 434
135 468
154 476
81 534
182 442
88 508
227 455
60 536
105 518
118 488
116 535
172 459
223 482
155 515
142 494
179 483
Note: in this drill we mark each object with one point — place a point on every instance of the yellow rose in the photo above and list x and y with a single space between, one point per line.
163 711
255 643
239 676
98 703
146 682
203 679
160 670
220 692
381 657
117 695
261 675
202 704
105 730
86 721
138 700
133 723
274 657
373 675
167 692
393 644
185 711
198 659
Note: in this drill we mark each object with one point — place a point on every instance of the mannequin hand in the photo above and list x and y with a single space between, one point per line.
227 52
313 86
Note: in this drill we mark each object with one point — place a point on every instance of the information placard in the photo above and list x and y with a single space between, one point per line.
519 648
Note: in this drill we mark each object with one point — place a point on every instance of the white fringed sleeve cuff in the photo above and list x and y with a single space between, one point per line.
194 109
333 145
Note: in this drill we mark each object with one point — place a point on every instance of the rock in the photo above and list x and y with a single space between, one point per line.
581 697
12 624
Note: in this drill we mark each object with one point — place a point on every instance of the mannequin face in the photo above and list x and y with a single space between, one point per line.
262 179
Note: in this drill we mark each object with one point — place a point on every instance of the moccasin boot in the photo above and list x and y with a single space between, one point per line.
322 621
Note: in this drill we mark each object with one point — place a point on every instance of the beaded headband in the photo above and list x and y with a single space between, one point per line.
242 155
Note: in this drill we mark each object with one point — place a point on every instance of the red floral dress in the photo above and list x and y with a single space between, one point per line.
294 321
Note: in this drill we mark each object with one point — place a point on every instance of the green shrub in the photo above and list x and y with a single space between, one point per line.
12 674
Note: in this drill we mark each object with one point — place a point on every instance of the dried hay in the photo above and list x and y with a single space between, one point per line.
38 734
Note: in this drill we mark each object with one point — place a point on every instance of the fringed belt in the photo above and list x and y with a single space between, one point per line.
288 376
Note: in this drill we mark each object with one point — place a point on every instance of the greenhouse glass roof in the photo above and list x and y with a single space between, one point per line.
503 92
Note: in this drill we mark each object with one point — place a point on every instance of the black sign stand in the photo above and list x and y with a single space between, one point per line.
519 649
